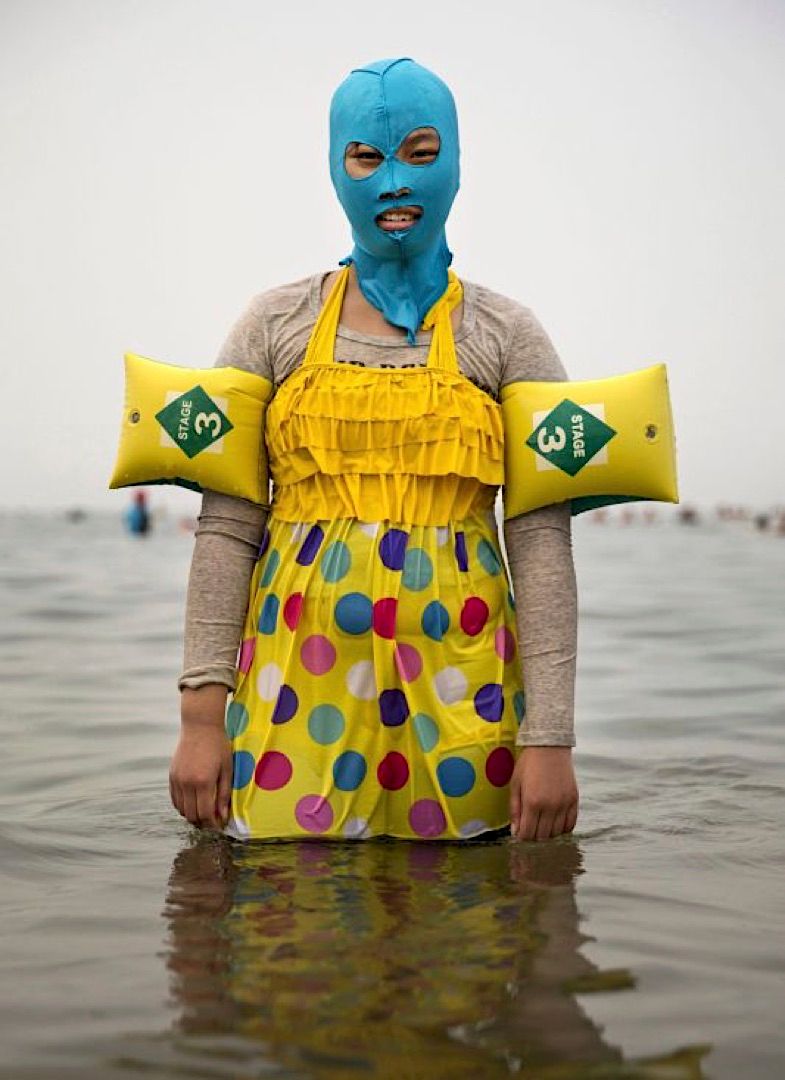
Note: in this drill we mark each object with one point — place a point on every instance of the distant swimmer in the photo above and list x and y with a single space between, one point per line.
137 516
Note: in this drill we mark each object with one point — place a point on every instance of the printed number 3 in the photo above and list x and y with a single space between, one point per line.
548 443
204 420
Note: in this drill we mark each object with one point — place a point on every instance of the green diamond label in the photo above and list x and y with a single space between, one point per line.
569 436
193 421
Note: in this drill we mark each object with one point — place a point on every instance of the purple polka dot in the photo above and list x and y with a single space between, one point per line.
393 707
314 813
392 548
264 543
273 771
310 546
499 766
489 702
427 819
285 705
393 771
247 650
460 551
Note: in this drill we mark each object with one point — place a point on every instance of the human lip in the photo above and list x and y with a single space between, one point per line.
399 218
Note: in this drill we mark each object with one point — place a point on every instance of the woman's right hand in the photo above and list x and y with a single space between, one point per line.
200 773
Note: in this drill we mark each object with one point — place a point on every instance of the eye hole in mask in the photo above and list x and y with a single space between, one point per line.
420 147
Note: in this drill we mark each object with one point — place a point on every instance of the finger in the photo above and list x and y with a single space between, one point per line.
189 811
205 806
545 825
572 818
515 805
559 823
529 822
225 791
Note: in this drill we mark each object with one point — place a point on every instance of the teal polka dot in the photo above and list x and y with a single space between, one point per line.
243 768
435 620
426 731
272 564
486 553
336 561
269 615
236 719
456 776
326 724
417 569
511 599
519 704
349 770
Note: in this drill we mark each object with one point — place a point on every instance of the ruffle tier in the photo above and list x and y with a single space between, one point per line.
415 444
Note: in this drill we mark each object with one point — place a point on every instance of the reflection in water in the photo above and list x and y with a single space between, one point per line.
393 959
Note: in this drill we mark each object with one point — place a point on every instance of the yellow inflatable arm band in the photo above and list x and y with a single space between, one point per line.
199 428
594 443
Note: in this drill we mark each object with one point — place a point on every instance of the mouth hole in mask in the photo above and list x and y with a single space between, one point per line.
419 148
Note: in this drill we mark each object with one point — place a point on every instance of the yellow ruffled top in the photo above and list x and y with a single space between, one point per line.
419 445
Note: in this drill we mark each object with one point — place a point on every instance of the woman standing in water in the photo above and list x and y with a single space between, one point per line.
364 620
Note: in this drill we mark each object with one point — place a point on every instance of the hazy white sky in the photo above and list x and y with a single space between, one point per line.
163 160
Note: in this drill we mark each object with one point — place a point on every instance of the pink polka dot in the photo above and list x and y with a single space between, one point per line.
293 609
408 661
474 615
504 641
273 771
317 654
499 766
314 813
247 650
384 616
427 818
393 771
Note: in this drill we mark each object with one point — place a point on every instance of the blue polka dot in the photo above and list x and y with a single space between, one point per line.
336 561
354 613
392 548
243 765
349 770
269 614
326 724
426 731
417 569
272 564
456 776
236 719
461 556
486 553
489 702
310 546
285 705
519 705
435 620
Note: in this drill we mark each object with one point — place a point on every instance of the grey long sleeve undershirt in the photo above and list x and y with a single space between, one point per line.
498 341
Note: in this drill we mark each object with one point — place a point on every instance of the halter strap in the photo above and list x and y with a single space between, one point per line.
321 344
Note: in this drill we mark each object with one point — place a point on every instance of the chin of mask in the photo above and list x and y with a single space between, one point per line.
401 273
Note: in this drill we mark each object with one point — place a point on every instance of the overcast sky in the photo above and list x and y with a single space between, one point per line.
161 161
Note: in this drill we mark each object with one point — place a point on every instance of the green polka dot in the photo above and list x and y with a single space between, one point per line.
488 557
426 731
273 560
417 569
236 719
336 561
519 704
326 724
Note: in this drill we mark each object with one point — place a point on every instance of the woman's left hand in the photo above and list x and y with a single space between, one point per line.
543 793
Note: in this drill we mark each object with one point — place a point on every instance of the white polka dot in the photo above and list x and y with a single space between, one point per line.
356 828
268 682
442 535
450 684
298 531
473 828
361 680
369 527
237 828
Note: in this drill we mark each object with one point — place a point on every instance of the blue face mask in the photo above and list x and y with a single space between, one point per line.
401 273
